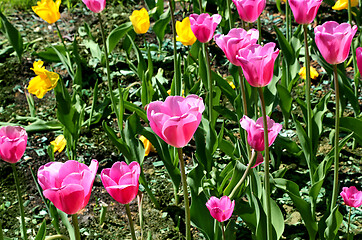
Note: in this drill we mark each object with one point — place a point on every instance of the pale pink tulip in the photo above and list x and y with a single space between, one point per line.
67 185
249 10
359 59
204 26
95 5
351 196
13 142
220 209
121 181
236 39
176 119
304 11
334 40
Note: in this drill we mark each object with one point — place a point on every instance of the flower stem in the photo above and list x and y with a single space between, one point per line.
266 166
177 78
61 38
243 94
76 226
21 206
200 5
230 15
336 140
186 195
130 222
210 82
349 222
287 16
223 230
259 30
140 211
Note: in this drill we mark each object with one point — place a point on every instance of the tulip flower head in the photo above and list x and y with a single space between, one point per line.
59 143
176 119
343 4
257 63
220 209
359 59
95 5
13 140
249 10
255 131
236 39
204 26
334 40
148 145
140 21
67 185
121 181
48 10
313 73
304 11
352 197
184 32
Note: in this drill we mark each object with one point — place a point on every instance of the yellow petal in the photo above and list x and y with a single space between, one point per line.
140 21
44 82
59 143
48 10
184 32
313 73
343 4
147 144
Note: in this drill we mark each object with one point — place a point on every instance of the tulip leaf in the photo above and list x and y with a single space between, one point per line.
116 35
135 147
286 48
238 172
134 108
67 224
13 35
333 223
161 24
42 231
49 54
224 86
285 102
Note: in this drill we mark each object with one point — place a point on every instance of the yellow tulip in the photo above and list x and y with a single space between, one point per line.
343 4
44 82
313 73
140 21
59 143
184 32
48 10
148 145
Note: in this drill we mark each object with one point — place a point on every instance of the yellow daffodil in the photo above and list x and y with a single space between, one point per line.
140 21
59 143
313 73
48 10
184 32
343 4
148 145
43 82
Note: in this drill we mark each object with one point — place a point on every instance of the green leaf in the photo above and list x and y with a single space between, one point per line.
134 108
238 172
49 54
42 231
333 223
224 86
117 34
161 24
13 35
286 48
135 147
277 219
285 101
141 67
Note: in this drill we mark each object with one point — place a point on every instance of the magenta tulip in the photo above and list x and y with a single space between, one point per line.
68 185
204 26
95 5
121 181
255 131
236 39
334 40
351 196
257 63
176 119
13 142
359 59
304 11
220 209
249 10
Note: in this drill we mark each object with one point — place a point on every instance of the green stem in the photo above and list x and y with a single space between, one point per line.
287 19
61 37
59 236
266 165
185 192
223 230
140 211
336 140
76 226
200 5
130 222
210 82
228 3
177 78
243 94
21 206
259 30
349 222
1 230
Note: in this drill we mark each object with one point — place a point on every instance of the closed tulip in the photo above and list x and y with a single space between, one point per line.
304 11
95 5
351 196
59 143
255 131
140 21
147 145
359 59
236 39
67 185
220 209
176 120
204 26
257 63
334 40
249 10
13 140
48 10
121 181
184 32
343 4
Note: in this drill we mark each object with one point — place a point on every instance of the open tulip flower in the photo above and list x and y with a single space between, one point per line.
140 21
220 209
184 32
176 120
48 10
334 40
13 140
257 63
359 59
236 39
304 11
255 131
351 196
68 185
204 26
121 181
343 4
249 10
95 5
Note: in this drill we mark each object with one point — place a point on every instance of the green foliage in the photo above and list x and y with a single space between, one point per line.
13 36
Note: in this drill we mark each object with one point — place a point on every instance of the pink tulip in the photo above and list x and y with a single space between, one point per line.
12 143
220 209
334 40
121 181
249 10
257 63
359 59
67 185
255 131
304 11
351 196
259 159
204 26
176 119
95 5
236 39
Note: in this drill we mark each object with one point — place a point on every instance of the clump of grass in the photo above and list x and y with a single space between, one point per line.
17 4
